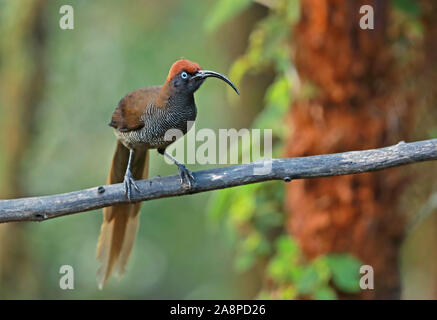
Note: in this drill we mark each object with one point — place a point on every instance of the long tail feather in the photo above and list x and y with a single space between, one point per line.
120 222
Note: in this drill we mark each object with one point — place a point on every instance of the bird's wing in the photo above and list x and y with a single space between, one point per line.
128 115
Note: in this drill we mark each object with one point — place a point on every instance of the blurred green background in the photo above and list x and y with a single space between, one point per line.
117 47
59 89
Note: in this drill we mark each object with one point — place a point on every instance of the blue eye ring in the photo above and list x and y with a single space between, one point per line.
184 75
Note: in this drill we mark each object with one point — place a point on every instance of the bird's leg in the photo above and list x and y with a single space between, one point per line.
128 178
185 175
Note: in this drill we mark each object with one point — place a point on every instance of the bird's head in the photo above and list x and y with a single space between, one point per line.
186 76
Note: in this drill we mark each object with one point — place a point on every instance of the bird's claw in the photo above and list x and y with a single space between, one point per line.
185 176
128 183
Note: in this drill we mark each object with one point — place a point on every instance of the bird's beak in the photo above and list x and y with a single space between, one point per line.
203 74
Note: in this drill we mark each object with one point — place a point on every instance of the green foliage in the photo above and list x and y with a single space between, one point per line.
277 102
254 214
292 274
407 30
433 133
224 10
268 42
269 47
345 271
409 7
325 293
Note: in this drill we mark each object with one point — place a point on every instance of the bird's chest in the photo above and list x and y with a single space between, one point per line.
163 126
177 118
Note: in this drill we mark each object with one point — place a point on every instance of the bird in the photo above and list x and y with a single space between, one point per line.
140 121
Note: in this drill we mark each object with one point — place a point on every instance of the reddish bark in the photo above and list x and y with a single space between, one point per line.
357 107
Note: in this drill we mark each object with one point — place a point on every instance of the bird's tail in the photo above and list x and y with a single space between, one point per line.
120 222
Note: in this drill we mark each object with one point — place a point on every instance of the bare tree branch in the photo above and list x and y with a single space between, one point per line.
47 207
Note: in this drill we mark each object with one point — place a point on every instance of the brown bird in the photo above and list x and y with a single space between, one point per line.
141 121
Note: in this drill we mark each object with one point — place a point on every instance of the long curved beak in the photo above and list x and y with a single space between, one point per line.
203 74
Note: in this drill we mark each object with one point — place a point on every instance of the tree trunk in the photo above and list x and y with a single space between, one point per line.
357 107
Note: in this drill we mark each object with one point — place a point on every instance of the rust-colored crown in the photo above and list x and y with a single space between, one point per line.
182 65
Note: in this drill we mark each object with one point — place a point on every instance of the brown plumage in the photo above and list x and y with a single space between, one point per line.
120 222
141 121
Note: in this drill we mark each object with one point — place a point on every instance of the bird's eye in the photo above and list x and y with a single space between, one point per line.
184 75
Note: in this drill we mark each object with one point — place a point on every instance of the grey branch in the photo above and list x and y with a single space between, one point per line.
287 169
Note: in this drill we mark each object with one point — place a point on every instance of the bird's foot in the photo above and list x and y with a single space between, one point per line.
187 178
128 183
